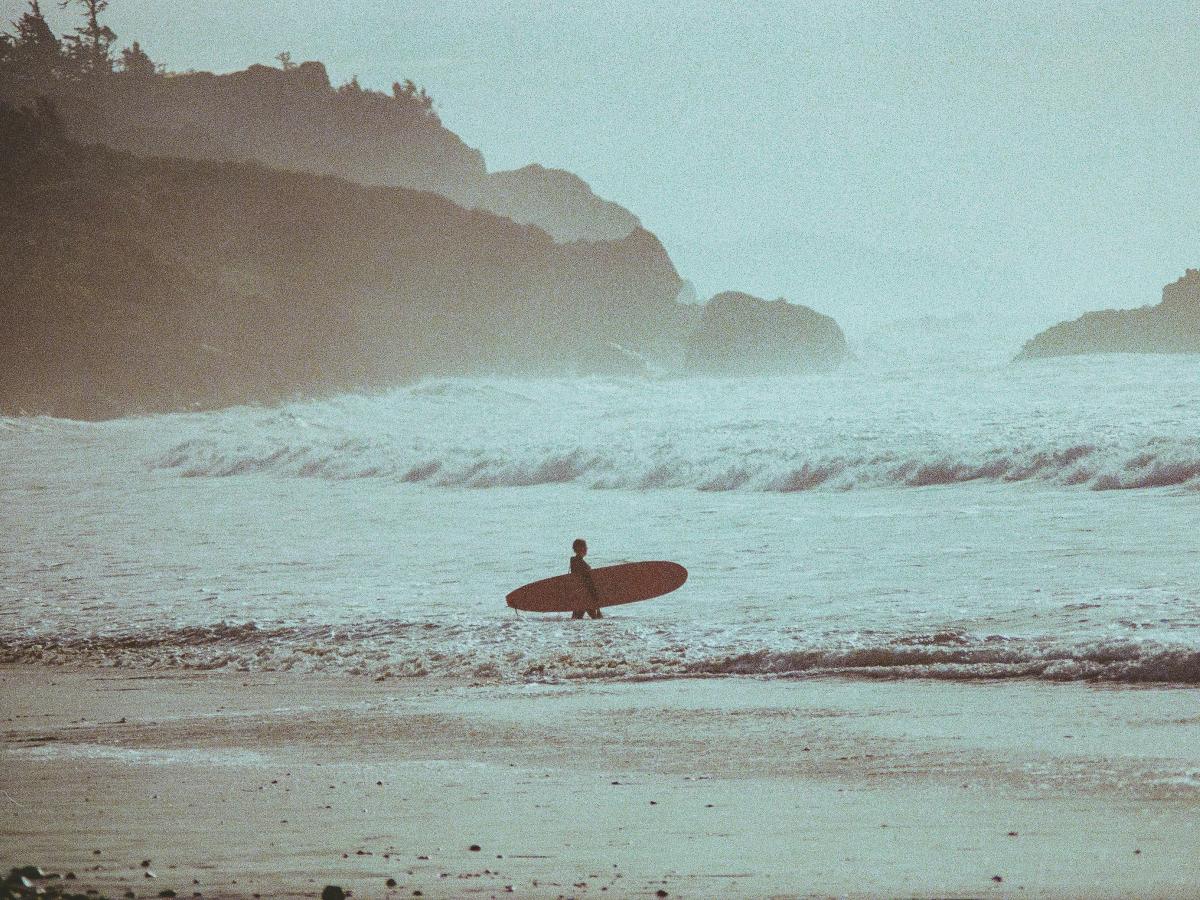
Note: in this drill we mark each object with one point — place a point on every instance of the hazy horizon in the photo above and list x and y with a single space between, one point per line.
879 163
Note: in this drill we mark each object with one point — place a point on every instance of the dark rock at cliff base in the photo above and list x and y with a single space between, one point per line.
744 335
1173 326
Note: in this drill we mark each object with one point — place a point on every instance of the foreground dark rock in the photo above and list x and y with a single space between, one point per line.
29 882
743 335
1173 326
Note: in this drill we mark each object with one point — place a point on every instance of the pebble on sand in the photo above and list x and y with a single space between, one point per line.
474 848
332 892
391 882
997 879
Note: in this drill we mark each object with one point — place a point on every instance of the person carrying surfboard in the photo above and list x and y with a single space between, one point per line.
580 567
579 591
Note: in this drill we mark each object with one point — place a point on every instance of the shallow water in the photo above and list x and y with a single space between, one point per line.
989 520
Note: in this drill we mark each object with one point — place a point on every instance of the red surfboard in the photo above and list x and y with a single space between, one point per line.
624 583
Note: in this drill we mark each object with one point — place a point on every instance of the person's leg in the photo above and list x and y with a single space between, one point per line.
577 614
595 614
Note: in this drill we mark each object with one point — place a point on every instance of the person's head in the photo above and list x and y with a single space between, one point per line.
579 545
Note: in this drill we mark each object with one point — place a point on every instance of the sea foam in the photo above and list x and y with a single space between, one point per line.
771 435
556 650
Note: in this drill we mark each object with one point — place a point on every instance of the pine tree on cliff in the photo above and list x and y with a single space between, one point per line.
32 31
33 53
90 47
137 62
412 96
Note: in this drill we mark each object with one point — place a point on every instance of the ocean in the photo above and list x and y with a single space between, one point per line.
971 519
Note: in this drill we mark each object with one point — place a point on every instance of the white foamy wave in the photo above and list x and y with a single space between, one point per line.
769 435
1158 462
553 650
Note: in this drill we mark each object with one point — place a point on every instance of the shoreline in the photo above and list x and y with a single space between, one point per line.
279 784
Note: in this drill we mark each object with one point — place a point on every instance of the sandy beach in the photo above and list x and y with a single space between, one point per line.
237 785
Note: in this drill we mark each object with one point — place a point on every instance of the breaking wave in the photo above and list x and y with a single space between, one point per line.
554 650
1156 463
768 435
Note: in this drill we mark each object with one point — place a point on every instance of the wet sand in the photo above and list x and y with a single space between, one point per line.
277 784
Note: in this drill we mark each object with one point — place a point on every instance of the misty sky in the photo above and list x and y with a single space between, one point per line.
873 160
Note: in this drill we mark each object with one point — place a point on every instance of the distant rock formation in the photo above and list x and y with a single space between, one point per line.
296 119
135 285
743 335
1173 326
557 201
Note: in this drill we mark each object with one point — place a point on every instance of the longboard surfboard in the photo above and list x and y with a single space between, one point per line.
624 583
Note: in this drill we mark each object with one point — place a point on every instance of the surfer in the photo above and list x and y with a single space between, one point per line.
580 567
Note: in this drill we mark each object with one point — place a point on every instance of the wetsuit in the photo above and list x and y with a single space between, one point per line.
580 567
